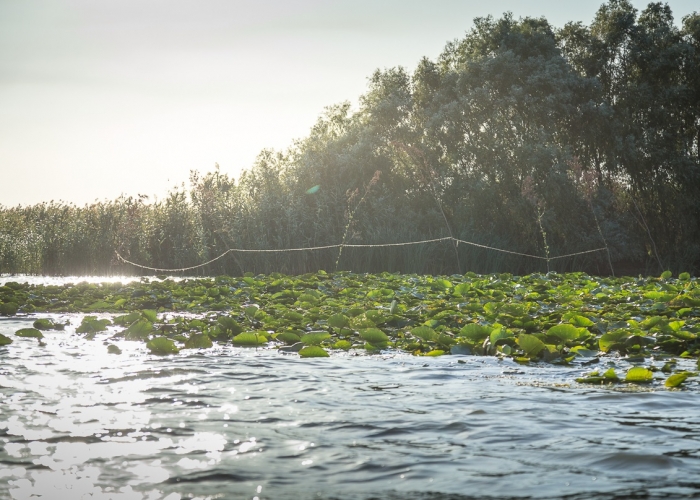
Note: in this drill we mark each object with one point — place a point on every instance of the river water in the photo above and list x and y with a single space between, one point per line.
77 422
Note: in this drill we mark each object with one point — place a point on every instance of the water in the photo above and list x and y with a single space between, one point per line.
77 422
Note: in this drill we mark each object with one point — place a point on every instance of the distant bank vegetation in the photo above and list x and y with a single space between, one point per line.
519 136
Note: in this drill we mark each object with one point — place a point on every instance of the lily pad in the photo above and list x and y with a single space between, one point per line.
249 339
29 332
639 375
162 345
313 351
198 341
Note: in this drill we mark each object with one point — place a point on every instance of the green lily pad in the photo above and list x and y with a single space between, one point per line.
140 330
162 345
639 375
678 378
374 336
315 338
424 332
313 351
249 339
5 340
530 344
29 332
198 341
113 349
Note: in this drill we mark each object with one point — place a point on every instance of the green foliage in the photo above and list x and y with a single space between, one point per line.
8 308
249 339
29 332
140 330
531 318
162 345
91 324
4 340
313 352
374 336
639 375
47 324
530 344
198 341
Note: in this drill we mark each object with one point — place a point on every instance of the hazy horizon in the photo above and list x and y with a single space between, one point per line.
101 99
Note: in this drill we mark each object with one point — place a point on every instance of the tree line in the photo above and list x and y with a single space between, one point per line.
519 136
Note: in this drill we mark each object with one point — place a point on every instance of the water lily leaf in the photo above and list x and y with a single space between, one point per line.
475 332
113 349
444 340
375 316
639 375
499 334
47 324
660 296
374 336
394 307
251 311
91 324
139 330
583 352
530 344
315 338
9 308
127 319
29 332
342 344
150 315
5 340
580 321
313 351
294 316
162 345
666 275
564 332
435 352
229 325
309 298
198 341
462 289
684 276
361 321
424 332
684 335
677 379
339 321
443 284
380 293
612 339
249 339
288 338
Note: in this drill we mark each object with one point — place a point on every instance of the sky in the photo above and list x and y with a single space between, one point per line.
104 98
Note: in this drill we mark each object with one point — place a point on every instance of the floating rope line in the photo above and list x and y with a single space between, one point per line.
380 245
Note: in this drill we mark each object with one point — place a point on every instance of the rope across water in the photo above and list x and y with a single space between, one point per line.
382 245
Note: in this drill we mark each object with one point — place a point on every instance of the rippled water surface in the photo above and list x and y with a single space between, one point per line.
77 422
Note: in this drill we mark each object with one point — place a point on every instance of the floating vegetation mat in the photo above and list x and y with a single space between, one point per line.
553 318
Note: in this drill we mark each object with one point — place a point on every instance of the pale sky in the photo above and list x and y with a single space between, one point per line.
100 98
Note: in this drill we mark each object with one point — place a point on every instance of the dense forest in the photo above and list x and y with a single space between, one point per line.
520 136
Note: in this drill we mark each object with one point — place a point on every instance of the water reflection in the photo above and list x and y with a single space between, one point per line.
77 422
